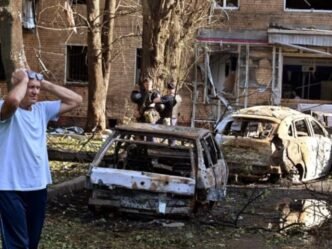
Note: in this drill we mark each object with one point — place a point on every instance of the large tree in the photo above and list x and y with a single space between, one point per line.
100 38
169 28
11 37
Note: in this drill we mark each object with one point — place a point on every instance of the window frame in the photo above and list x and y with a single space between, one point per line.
312 121
66 74
307 126
305 10
224 5
138 64
78 1
2 68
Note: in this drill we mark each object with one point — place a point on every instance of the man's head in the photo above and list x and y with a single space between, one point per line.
33 88
147 84
171 87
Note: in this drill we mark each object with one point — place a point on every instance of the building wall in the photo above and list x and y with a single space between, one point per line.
262 15
45 48
47 45
259 14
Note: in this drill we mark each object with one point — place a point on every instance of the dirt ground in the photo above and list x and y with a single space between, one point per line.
252 216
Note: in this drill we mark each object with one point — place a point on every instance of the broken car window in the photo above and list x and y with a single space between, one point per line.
301 128
252 128
149 154
318 131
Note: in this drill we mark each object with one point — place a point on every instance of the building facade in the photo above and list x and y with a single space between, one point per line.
275 52
259 52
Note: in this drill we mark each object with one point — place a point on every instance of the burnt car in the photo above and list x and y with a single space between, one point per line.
271 142
158 170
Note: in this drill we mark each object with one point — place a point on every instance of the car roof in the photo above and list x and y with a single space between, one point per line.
165 130
274 113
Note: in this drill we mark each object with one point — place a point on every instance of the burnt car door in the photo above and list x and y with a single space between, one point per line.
302 150
213 171
323 149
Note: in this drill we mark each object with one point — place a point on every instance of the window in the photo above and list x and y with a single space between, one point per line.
290 131
2 70
138 65
230 4
308 5
212 148
79 1
307 79
77 64
318 131
301 128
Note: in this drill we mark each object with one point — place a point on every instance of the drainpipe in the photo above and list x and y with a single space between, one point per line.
246 86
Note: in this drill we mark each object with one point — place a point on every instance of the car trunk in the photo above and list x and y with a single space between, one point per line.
142 192
247 156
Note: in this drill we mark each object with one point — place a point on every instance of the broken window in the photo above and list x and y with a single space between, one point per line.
301 128
308 5
318 131
138 64
28 10
210 151
290 131
307 79
141 153
77 64
2 70
253 128
223 71
227 3
79 1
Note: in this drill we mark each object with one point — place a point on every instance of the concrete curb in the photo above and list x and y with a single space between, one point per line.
70 186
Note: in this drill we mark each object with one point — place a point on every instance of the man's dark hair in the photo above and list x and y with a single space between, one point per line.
170 85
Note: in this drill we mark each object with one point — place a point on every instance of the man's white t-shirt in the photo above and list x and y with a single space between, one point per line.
23 147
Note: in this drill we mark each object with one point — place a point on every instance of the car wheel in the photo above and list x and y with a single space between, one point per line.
274 178
296 174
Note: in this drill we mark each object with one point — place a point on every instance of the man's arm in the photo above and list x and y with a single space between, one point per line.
69 99
15 95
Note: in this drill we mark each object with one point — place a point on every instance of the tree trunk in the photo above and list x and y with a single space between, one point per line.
156 19
107 37
11 37
169 28
99 61
96 118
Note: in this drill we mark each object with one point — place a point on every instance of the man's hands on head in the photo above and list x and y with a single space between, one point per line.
19 75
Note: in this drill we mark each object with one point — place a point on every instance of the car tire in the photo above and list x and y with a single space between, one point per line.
274 178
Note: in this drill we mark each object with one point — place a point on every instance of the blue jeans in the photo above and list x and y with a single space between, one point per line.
22 218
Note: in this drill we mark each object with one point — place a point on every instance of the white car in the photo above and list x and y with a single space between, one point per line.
270 142
156 169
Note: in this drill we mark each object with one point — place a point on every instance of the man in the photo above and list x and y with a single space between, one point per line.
168 114
24 169
144 100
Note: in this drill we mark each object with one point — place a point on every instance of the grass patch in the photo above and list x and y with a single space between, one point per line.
63 171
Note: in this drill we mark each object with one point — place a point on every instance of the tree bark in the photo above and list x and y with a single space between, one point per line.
96 118
169 29
11 37
99 61
67 156
156 19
